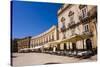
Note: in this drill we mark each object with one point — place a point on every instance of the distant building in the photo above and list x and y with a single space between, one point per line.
24 44
42 40
14 45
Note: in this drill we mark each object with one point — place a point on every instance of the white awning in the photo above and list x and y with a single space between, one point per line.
38 47
31 48
24 49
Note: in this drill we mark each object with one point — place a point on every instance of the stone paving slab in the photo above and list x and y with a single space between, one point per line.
27 59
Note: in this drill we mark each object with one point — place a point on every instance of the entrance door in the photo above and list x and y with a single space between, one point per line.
73 46
88 44
64 46
58 47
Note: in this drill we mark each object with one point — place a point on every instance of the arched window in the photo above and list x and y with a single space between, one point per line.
63 28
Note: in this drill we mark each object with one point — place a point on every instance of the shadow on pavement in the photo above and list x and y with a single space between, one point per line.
51 63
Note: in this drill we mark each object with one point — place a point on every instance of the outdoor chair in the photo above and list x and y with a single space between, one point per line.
87 54
70 54
79 54
58 53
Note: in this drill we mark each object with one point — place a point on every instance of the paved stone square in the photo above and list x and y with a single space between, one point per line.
27 59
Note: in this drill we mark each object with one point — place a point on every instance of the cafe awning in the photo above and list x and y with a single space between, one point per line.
47 45
76 38
73 38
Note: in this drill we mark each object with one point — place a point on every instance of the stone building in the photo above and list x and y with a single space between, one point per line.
24 44
14 45
77 25
76 31
43 40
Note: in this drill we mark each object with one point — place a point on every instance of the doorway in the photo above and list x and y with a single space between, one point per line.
73 46
88 44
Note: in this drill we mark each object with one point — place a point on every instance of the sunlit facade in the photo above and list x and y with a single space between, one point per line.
23 44
42 41
77 25
76 30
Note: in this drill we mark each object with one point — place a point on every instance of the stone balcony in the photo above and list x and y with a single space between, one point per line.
71 24
84 19
88 33
63 29
90 15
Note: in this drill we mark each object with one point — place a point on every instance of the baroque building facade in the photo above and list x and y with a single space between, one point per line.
77 25
24 44
76 31
43 40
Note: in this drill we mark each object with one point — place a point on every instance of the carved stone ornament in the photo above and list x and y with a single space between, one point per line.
70 13
62 19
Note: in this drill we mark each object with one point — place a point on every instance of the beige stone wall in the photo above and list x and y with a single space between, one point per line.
79 29
51 34
94 38
45 37
65 15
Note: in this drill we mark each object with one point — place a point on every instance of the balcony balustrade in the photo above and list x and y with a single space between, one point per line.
90 15
88 33
83 19
71 24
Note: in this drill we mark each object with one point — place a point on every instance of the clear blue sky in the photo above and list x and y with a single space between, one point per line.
33 18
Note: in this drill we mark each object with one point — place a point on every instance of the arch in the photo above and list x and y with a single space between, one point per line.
88 44
73 46
64 46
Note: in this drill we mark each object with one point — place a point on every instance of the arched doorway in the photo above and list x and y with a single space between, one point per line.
88 44
64 46
58 47
73 46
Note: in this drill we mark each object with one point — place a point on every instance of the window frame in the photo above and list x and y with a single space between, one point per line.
86 27
84 12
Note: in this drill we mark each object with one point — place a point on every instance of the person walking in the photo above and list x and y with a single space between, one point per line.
54 49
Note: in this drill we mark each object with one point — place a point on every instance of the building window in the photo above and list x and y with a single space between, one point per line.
71 16
73 32
86 28
64 35
84 11
63 28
